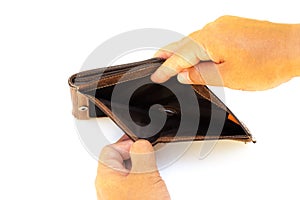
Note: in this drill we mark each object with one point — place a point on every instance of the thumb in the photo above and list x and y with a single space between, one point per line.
142 157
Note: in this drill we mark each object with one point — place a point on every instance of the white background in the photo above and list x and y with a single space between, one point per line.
43 42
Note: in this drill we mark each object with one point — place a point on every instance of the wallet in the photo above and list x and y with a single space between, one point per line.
159 113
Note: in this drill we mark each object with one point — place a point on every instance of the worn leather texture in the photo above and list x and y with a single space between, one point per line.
159 113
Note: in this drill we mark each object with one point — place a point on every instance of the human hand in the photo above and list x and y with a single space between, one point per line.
141 180
244 53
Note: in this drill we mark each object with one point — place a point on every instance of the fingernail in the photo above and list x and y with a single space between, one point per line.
183 77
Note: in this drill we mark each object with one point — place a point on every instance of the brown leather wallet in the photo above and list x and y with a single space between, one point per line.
156 112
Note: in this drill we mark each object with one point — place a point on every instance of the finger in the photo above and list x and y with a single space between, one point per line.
167 51
205 73
123 138
142 157
187 55
123 148
113 156
182 59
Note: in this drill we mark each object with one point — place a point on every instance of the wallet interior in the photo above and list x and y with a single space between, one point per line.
136 121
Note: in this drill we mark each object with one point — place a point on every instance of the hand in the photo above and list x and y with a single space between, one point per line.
116 181
244 54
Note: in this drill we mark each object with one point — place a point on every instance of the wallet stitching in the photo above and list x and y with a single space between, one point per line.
114 76
113 117
199 93
247 130
141 69
107 85
178 139
211 137
226 109
215 102
134 64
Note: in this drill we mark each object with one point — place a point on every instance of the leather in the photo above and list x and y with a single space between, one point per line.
92 95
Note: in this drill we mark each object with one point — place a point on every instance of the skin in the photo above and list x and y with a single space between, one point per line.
233 52
141 180
245 54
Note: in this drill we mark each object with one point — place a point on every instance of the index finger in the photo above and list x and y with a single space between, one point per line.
185 57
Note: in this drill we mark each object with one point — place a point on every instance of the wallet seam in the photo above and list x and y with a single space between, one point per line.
201 138
119 75
92 72
110 114
215 101
211 137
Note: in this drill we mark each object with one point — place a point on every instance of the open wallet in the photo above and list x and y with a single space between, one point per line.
159 113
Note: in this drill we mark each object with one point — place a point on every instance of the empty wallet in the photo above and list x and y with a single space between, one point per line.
159 113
